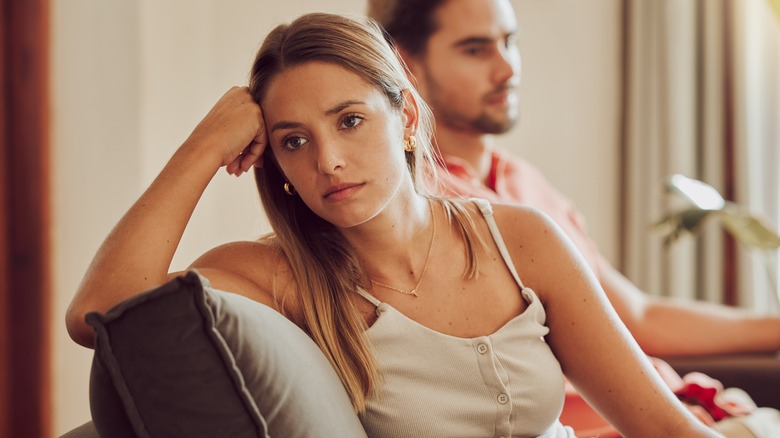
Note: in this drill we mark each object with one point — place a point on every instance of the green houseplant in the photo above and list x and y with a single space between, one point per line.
704 203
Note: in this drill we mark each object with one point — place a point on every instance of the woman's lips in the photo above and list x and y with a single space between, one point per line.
341 191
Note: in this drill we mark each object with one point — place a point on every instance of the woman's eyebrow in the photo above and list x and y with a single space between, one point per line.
285 125
340 107
335 110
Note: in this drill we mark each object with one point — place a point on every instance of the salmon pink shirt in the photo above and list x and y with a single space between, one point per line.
515 181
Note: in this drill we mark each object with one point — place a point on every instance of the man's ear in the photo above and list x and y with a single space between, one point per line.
410 113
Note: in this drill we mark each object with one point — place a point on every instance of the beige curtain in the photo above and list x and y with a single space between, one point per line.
756 54
701 98
673 123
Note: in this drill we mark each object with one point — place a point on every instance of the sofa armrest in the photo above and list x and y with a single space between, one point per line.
188 360
758 374
86 430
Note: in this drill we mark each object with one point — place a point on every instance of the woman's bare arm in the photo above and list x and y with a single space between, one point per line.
595 349
137 253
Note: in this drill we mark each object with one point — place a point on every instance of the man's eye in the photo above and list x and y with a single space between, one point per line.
293 143
475 50
351 121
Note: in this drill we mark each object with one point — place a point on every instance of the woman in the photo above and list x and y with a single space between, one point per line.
417 302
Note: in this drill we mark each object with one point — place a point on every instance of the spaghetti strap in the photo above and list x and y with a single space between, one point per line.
487 212
370 298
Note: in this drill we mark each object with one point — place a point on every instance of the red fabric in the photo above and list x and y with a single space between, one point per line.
694 394
702 390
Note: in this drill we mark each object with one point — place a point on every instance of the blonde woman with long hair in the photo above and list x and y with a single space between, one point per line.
441 317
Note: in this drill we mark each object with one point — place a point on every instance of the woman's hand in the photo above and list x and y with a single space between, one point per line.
235 126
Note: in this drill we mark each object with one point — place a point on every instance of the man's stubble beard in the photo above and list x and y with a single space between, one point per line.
488 124
483 123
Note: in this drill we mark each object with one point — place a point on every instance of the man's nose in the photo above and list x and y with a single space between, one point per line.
507 66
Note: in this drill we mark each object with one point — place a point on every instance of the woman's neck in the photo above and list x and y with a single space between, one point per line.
393 246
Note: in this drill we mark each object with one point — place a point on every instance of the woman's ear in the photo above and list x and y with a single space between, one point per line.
410 113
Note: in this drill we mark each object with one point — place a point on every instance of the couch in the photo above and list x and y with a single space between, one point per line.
233 367
187 360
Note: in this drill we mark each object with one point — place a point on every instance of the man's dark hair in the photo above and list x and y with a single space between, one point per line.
409 23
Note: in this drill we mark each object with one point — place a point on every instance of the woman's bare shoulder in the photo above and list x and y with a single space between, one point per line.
539 248
263 248
517 224
256 269
523 220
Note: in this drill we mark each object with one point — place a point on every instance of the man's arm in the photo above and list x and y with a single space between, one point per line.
668 327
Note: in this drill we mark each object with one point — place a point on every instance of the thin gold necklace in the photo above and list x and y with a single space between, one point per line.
425 267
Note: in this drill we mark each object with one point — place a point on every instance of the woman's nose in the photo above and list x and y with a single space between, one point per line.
329 156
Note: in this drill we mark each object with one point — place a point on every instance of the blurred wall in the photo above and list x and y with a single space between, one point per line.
131 79
570 104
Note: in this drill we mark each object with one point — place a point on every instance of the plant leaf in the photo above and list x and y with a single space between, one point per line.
749 230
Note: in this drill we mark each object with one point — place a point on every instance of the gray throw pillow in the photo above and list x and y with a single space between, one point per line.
186 360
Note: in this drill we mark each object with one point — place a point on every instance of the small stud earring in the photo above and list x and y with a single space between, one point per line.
289 189
410 144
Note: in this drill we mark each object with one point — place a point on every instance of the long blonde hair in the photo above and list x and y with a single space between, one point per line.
324 265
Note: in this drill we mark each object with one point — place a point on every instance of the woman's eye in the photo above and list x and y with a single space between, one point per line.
351 121
293 143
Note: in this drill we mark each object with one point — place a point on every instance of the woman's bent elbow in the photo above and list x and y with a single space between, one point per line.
77 327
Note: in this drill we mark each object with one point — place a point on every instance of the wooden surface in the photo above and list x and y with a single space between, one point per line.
25 300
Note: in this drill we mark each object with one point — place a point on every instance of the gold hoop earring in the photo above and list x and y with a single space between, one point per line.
289 189
410 144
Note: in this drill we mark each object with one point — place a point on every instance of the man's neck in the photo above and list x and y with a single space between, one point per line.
473 148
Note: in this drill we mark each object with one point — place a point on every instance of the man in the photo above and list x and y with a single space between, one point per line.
463 56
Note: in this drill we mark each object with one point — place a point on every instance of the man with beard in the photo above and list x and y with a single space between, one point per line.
463 56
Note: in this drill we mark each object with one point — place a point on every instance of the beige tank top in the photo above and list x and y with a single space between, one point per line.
506 384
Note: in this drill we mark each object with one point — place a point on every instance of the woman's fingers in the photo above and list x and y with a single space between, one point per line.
234 166
259 143
236 124
252 155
